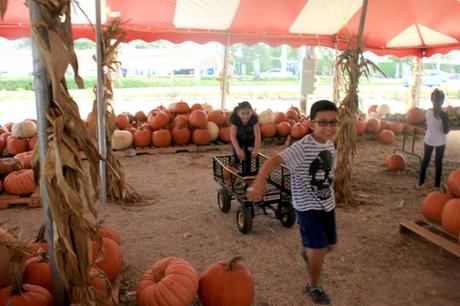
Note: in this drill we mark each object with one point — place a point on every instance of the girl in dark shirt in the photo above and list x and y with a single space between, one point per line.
245 135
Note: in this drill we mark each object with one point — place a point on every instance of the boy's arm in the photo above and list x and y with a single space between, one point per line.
257 138
256 192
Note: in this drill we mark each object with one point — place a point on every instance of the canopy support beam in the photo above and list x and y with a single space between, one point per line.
417 75
224 80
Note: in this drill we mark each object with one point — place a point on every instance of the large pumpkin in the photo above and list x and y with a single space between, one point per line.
30 295
373 125
387 136
20 182
396 127
396 162
162 138
111 261
298 131
198 119
266 117
26 158
181 120
217 116
227 283
110 233
122 121
267 130
283 129
158 119
453 182
360 127
181 107
201 136
213 130
121 140
24 129
280 117
142 138
433 204
450 218
181 135
196 106
8 165
415 116
140 116
170 281
16 145
383 110
292 114
224 134
38 272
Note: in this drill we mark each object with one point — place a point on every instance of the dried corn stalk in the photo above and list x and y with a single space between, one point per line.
351 65
66 181
3 6
117 188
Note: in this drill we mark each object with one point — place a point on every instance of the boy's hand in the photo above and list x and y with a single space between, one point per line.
241 154
254 153
256 192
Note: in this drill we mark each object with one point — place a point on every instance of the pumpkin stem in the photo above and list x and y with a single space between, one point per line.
16 275
231 265
158 276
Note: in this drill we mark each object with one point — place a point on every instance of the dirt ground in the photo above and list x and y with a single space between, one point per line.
374 263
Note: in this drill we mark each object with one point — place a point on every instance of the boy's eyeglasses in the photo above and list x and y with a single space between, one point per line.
324 123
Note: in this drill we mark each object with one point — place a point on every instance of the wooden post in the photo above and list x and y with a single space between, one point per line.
42 100
417 76
224 80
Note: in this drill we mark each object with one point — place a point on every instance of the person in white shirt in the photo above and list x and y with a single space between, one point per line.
437 127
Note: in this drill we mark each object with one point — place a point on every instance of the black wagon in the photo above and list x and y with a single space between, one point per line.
277 200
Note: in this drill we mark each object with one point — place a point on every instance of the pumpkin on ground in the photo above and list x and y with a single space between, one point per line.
20 182
213 130
110 233
16 145
8 165
24 129
170 281
373 125
201 137
453 182
387 137
28 295
267 130
227 283
360 127
111 261
181 135
433 204
292 114
266 117
283 129
158 119
140 116
38 272
122 121
395 162
26 158
383 110
298 131
450 218
198 119
396 127
224 134
280 117
142 138
217 116
121 140
181 107
162 138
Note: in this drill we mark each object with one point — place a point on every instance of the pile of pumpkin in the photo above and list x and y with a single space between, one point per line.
174 281
18 140
25 275
444 208
453 114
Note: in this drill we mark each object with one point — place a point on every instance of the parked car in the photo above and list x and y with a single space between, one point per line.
430 78
274 74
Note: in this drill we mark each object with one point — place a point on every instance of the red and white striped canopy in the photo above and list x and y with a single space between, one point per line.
399 27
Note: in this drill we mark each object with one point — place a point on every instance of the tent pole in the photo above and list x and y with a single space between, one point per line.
335 90
225 74
42 102
100 106
415 90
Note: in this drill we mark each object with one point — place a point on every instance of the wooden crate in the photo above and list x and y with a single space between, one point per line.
432 233
7 200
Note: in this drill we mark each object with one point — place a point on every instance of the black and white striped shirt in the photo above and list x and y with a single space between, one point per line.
311 164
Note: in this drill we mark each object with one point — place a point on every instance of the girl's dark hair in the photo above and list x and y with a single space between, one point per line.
242 105
437 97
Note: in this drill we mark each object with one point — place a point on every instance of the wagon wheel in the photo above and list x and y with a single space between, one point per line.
286 215
224 200
244 219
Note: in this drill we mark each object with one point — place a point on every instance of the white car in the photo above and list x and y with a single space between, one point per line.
430 78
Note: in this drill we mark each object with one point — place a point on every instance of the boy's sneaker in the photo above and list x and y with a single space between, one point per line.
318 295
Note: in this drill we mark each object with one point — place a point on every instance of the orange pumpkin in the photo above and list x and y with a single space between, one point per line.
8 165
217 116
162 138
360 127
224 134
142 138
181 135
5 136
20 182
453 182
111 261
227 283
283 129
16 145
29 295
170 281
387 136
396 127
122 121
373 125
292 114
31 143
181 107
108 232
196 106
280 117
267 130
140 116
415 116
26 158
433 204
372 109
2 144
409 129
180 120
450 218
38 272
396 162
201 136
198 119
298 131
158 119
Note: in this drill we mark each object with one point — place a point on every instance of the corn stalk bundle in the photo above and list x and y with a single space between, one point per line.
66 181
351 65
117 188
3 6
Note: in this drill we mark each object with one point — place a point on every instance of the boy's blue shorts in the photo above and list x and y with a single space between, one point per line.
317 228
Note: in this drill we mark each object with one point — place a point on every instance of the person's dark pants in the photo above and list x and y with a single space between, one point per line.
246 164
439 155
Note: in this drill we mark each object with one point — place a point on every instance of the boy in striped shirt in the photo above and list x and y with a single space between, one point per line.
311 162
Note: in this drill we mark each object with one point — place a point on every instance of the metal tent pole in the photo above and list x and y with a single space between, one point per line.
100 106
225 74
42 102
